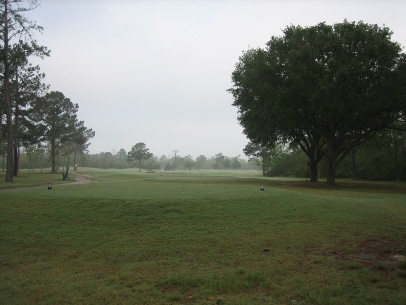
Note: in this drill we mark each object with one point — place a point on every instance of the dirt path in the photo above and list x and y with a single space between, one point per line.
80 179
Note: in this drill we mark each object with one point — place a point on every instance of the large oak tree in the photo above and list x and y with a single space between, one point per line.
328 88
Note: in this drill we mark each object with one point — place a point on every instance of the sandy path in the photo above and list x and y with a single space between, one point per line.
80 179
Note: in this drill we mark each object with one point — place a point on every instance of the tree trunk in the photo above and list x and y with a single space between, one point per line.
396 156
68 164
16 154
10 136
6 97
332 155
53 156
313 153
314 170
331 173
75 165
15 148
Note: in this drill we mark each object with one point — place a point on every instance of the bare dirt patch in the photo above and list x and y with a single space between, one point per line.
382 254
81 179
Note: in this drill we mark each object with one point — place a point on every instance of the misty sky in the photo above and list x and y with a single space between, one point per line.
157 71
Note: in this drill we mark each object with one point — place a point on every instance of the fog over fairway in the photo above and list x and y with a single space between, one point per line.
157 71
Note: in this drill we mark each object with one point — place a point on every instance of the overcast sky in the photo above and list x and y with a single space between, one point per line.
157 71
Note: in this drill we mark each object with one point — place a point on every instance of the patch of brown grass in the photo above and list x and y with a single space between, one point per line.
350 186
380 254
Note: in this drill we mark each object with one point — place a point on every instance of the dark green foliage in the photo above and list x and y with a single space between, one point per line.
138 153
57 116
188 163
262 154
16 43
378 159
326 88
291 164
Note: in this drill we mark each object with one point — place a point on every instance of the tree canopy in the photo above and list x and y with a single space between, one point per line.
33 116
262 155
17 43
327 88
57 115
138 153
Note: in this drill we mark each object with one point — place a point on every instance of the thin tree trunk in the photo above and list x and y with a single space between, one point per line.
75 166
16 161
53 156
58 164
1 117
68 163
6 96
15 148
396 156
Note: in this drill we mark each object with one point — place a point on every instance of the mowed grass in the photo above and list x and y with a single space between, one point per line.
31 179
201 238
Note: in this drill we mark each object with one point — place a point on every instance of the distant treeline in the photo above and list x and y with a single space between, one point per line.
119 160
383 158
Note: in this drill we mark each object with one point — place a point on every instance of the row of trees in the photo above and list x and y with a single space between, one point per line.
40 158
30 116
140 157
382 158
326 89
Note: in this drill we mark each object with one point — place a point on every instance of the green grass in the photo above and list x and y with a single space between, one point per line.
201 237
34 178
